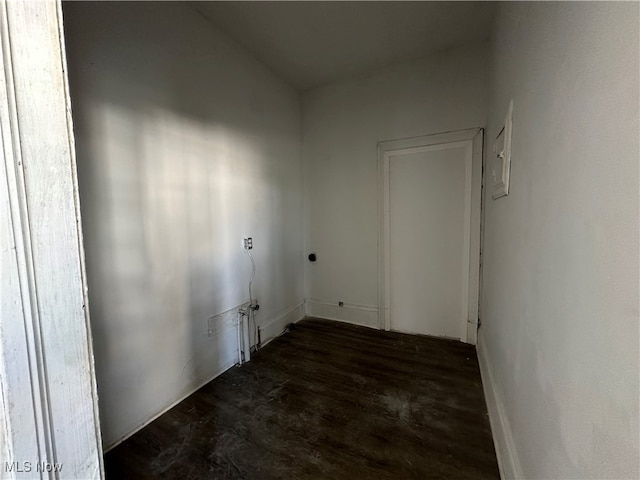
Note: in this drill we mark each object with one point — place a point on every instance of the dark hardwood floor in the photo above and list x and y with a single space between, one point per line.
326 400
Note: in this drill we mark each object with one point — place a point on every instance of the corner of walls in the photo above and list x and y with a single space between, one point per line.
277 324
342 125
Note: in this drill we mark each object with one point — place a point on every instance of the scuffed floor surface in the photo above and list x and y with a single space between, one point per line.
327 400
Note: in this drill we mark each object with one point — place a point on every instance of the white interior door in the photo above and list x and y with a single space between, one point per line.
431 210
429 268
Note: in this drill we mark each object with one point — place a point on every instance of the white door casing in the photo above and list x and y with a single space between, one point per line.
471 142
48 401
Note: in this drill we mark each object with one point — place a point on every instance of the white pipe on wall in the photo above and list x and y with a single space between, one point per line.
238 323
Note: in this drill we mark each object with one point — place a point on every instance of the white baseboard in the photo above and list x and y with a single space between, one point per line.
364 315
508 461
224 323
190 392
277 324
221 324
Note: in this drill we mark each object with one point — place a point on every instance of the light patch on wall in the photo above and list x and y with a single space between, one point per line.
167 200
179 196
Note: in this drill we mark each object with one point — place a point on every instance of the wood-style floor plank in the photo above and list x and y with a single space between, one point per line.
326 400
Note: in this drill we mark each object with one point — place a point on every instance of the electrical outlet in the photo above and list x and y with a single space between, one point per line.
247 243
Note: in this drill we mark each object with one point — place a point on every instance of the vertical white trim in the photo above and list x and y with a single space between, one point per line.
17 274
15 305
387 242
476 237
388 149
466 266
246 339
76 203
383 209
50 415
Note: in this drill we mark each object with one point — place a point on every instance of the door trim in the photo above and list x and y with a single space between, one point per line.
48 401
473 186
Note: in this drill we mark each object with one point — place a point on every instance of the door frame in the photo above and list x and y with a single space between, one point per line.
49 422
473 192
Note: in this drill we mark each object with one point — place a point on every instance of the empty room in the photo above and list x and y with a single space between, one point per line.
320 240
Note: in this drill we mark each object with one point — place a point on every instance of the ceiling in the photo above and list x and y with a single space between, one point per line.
309 44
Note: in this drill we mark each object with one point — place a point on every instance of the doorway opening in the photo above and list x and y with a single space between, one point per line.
429 234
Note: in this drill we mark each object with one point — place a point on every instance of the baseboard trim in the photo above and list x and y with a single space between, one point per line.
218 325
363 315
277 324
169 407
508 461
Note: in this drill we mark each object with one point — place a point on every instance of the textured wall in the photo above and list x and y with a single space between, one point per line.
560 305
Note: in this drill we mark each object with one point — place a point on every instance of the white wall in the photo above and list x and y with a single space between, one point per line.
185 144
559 336
342 124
